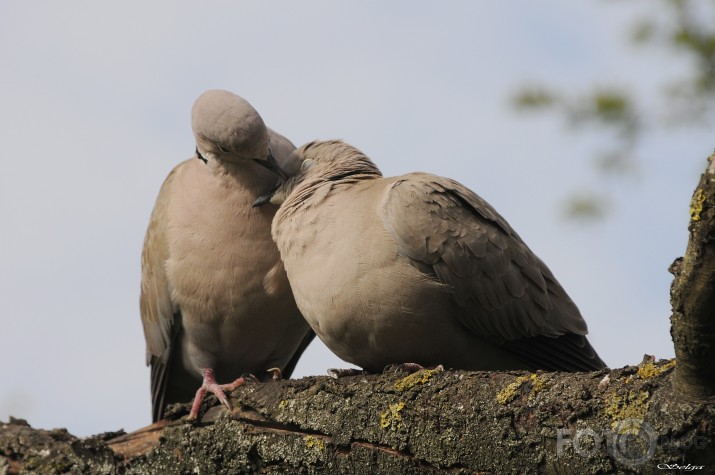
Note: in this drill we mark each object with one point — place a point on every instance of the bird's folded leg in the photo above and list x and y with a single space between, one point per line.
210 385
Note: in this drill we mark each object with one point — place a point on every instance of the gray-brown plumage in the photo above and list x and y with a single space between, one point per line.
418 268
215 300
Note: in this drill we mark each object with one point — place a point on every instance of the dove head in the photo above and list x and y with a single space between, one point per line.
228 129
325 162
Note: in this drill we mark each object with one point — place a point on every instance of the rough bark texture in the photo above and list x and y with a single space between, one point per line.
428 422
657 417
693 296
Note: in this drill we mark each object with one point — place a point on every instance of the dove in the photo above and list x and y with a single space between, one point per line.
215 301
418 269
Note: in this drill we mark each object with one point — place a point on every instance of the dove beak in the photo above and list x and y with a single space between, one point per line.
271 164
199 156
264 199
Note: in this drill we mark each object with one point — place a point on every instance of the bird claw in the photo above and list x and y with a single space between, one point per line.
276 374
409 368
218 390
250 378
336 373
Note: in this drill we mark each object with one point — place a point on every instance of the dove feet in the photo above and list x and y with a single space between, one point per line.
218 390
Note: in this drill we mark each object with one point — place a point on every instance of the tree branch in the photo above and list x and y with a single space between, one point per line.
693 296
428 422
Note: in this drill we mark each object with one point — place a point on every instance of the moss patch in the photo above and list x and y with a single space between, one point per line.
420 377
632 405
313 442
391 418
650 369
509 393
696 205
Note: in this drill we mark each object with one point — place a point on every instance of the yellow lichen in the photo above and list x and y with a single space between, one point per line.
391 417
633 405
510 392
696 205
283 404
537 384
314 442
649 369
420 377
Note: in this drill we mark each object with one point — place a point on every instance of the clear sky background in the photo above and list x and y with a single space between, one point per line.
95 104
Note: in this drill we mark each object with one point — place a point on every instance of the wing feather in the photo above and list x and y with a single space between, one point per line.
157 311
509 293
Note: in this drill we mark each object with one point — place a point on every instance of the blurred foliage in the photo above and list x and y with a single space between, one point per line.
586 207
683 27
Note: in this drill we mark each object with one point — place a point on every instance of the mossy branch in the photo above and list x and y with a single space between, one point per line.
436 422
693 296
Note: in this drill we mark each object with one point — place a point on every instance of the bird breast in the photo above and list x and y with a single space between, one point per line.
217 218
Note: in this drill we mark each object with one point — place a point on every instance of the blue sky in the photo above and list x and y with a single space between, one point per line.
95 112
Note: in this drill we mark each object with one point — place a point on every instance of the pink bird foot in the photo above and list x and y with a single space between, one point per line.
212 386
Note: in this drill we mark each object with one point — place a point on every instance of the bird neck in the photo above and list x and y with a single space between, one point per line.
247 174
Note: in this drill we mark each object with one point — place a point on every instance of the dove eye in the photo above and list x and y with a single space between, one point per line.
224 150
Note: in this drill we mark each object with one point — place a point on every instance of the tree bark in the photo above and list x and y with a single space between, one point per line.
657 417
429 422
693 296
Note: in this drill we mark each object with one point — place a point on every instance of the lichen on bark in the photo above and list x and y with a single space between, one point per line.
693 296
450 423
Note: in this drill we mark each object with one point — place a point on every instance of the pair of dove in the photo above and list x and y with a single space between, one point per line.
412 269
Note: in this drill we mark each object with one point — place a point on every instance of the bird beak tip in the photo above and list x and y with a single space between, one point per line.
273 165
